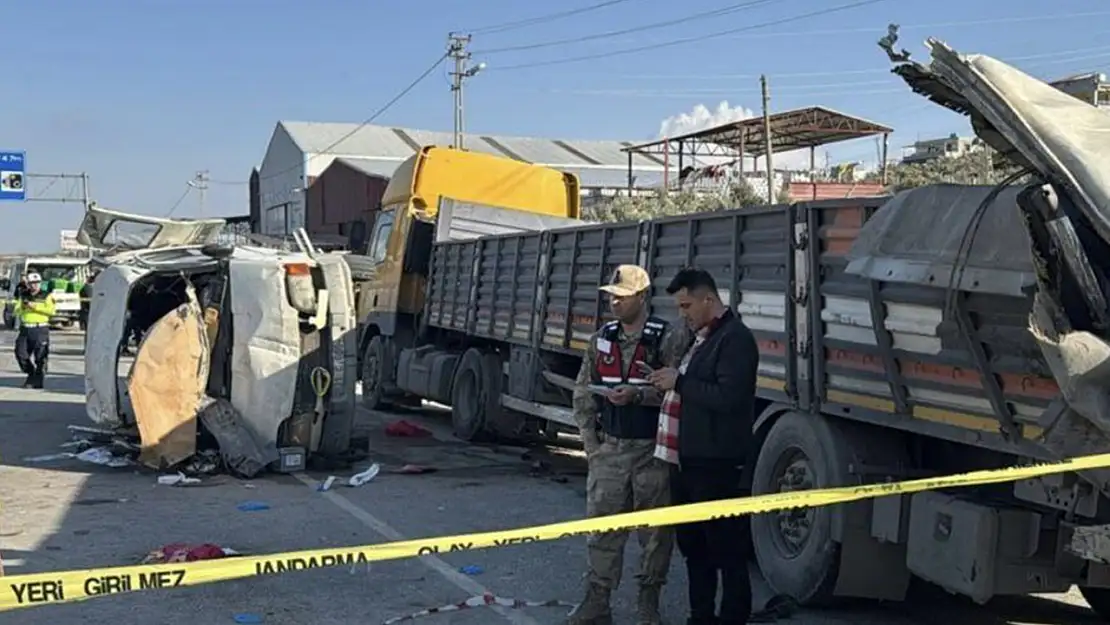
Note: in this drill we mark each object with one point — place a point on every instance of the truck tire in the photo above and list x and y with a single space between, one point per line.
374 364
475 395
1099 600
795 549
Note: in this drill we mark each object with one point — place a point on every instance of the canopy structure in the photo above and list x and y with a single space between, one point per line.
809 127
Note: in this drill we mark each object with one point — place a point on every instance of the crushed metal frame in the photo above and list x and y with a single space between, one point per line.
797 129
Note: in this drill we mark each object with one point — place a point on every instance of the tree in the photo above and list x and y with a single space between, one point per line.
980 167
684 202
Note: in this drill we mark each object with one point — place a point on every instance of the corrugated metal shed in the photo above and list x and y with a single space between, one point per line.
379 149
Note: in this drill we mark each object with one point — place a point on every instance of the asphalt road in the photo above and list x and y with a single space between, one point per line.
66 514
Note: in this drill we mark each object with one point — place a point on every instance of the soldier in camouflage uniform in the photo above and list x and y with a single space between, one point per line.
618 432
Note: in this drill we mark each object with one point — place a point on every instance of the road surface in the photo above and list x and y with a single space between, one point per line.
67 515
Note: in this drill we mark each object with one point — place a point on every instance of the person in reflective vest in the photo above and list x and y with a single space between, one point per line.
34 309
617 412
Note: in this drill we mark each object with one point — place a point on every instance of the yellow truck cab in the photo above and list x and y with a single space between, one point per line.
442 194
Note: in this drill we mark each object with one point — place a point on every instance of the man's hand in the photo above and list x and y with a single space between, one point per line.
622 395
663 379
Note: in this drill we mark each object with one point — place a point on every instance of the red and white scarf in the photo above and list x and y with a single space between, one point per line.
666 438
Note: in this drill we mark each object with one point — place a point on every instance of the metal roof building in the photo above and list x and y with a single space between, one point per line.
300 151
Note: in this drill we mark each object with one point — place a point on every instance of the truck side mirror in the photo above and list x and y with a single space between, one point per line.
357 238
5 283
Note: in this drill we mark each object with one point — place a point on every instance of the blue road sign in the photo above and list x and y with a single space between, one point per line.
13 176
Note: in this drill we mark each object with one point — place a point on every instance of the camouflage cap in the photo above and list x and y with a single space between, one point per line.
627 280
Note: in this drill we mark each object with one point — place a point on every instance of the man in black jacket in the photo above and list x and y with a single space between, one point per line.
704 432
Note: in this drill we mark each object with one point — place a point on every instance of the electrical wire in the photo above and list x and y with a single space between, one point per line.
685 40
733 8
542 19
369 120
188 189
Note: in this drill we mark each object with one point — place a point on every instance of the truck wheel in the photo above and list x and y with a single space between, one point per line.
794 548
475 395
374 364
1098 599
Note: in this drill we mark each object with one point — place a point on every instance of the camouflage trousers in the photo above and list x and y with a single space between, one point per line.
624 475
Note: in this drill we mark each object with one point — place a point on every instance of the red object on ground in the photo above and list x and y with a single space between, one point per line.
183 552
406 429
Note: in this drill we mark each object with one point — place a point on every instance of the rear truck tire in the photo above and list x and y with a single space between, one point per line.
1099 600
374 364
476 395
795 548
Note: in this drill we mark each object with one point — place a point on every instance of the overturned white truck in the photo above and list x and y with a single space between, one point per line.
255 345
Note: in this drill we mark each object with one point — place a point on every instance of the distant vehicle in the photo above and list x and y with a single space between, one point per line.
269 332
62 276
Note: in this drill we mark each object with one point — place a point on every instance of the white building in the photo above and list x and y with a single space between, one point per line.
948 147
300 151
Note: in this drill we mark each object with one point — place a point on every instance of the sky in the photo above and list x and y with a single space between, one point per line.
142 94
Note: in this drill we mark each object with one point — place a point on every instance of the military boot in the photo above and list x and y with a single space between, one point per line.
594 609
647 605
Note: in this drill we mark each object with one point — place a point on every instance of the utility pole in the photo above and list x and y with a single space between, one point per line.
767 139
85 201
200 182
456 49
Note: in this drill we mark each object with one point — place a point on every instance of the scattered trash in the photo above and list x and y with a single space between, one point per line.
414 469
369 474
326 484
97 502
471 569
478 601
407 429
178 479
183 552
247 618
48 458
253 506
104 457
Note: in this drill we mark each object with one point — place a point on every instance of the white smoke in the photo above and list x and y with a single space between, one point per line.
701 118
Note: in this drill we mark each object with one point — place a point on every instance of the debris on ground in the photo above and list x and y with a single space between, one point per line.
471 569
185 552
406 429
177 479
104 457
326 484
253 506
414 469
247 618
369 474
478 601
776 608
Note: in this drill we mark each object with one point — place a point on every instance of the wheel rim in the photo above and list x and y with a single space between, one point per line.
791 529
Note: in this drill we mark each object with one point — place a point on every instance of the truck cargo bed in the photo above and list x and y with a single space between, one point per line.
867 349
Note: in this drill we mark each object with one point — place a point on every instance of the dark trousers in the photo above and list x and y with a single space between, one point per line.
32 349
716 551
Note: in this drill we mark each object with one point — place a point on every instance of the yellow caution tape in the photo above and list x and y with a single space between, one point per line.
65 586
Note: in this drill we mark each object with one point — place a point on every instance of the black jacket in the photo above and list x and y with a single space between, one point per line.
718 394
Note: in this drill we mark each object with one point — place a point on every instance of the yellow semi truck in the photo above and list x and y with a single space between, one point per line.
439 195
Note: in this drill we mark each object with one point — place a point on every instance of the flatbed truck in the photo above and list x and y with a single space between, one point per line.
890 348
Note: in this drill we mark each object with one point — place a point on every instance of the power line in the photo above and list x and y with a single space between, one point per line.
693 39
181 199
733 8
542 19
378 113
1069 56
